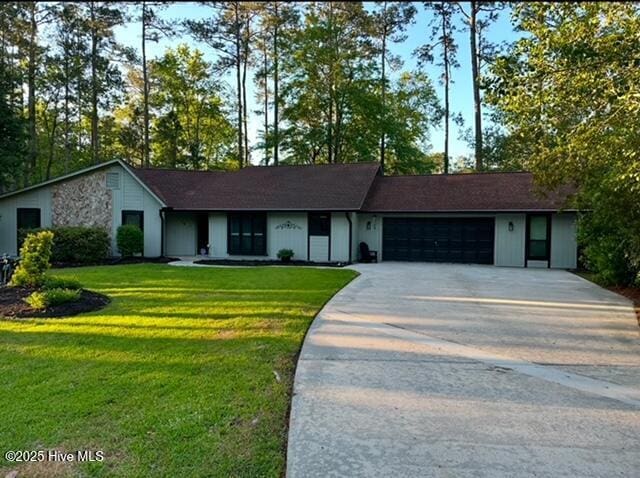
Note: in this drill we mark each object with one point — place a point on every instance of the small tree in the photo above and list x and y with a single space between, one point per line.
35 255
130 240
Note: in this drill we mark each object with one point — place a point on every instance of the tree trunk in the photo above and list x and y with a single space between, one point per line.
245 60
78 68
31 85
145 86
67 145
95 158
445 57
384 90
239 86
276 98
266 103
52 140
330 125
174 140
476 85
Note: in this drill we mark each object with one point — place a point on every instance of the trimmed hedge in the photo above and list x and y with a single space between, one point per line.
78 244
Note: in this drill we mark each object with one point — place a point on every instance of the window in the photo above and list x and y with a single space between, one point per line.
538 237
28 218
135 218
319 224
247 234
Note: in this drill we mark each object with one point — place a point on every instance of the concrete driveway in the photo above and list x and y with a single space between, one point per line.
461 370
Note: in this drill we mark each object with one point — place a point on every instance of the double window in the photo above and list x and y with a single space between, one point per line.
538 237
133 218
247 234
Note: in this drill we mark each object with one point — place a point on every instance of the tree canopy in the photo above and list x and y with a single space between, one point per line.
568 94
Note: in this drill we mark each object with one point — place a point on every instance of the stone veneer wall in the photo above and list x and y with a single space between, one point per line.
83 201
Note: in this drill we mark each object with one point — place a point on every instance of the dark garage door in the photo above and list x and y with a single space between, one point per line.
468 240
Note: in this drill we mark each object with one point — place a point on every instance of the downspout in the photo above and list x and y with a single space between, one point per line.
161 232
350 234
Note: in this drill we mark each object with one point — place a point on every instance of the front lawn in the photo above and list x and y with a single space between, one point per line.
187 372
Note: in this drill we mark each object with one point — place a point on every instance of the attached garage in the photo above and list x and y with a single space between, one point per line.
465 240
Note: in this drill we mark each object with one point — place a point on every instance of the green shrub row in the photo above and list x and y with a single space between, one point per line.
77 244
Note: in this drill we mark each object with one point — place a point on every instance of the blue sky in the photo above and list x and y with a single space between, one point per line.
417 34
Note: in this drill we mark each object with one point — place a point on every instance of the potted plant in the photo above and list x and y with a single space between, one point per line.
285 255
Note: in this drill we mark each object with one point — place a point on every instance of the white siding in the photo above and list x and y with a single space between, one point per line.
181 234
509 245
38 198
131 196
133 193
371 235
280 237
564 245
284 231
319 248
339 237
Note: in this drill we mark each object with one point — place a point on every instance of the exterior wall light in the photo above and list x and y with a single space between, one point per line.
511 226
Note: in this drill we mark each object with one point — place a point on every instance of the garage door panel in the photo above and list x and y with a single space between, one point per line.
467 240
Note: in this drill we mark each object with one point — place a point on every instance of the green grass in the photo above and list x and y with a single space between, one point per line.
174 378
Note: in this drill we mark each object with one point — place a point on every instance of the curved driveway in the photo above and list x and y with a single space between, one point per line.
461 370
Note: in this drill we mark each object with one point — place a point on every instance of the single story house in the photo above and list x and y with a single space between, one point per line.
321 212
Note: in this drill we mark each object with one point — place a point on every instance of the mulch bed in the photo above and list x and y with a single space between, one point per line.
118 261
12 305
252 263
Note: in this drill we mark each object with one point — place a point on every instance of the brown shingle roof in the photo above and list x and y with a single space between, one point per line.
323 187
459 192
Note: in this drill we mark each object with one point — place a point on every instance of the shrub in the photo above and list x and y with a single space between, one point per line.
53 282
77 244
130 240
80 245
285 254
611 246
35 256
50 297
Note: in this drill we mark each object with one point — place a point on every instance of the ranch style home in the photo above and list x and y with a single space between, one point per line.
321 212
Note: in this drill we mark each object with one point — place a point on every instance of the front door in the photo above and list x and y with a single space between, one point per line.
319 237
538 246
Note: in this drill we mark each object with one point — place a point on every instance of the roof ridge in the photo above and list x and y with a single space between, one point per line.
357 163
474 173
352 163
182 170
